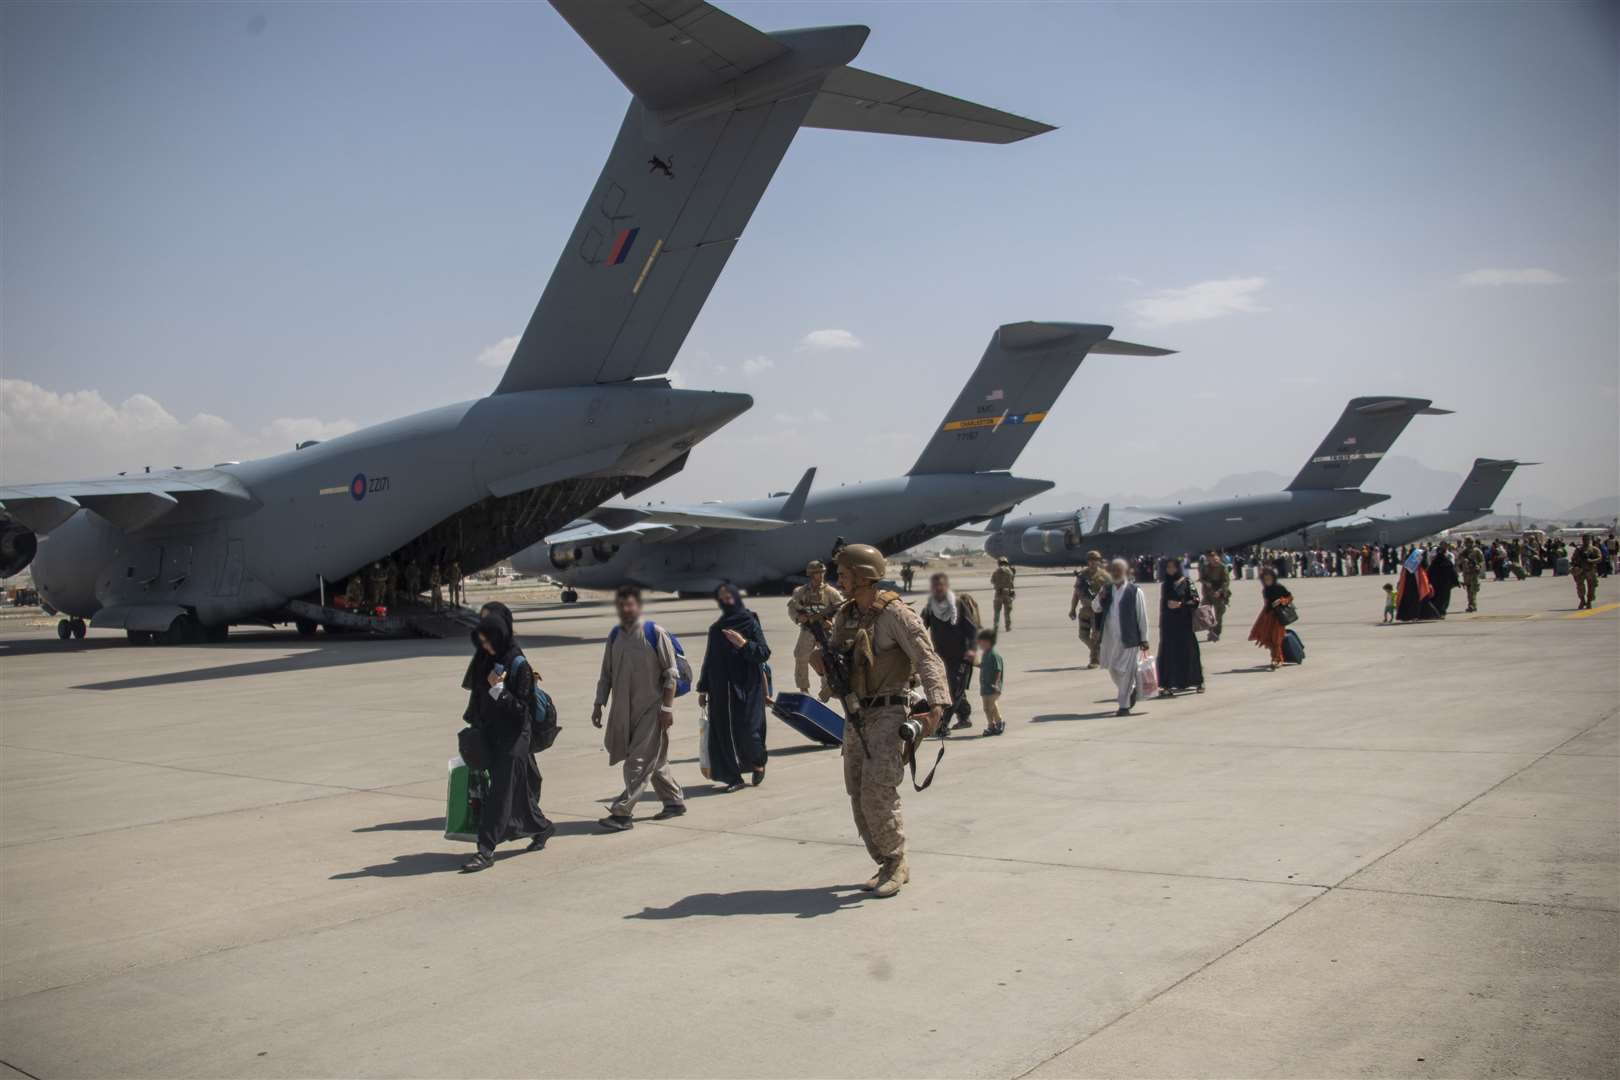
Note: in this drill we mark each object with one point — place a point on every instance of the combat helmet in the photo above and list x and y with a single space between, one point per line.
863 561
816 566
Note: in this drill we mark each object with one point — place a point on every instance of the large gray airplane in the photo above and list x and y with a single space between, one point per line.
961 477
1474 499
1329 486
582 413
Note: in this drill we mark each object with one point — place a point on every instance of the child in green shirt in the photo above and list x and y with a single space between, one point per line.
1389 602
992 675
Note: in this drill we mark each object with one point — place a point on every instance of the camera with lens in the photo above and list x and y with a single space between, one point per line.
911 733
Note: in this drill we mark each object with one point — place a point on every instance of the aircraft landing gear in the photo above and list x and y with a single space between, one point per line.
305 627
569 596
140 637
71 628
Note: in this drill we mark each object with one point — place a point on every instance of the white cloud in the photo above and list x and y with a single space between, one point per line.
499 354
1205 300
1530 275
756 364
831 339
45 435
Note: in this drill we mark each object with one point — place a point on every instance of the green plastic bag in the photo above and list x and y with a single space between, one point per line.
464 802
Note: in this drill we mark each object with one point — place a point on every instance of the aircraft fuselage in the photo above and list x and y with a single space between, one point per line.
1046 540
476 481
893 514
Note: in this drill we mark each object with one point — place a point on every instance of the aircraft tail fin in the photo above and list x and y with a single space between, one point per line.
1484 483
1023 370
1367 428
716 105
793 509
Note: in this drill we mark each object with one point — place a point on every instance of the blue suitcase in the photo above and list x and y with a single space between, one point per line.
809 718
1293 649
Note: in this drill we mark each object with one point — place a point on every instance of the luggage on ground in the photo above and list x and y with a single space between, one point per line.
1293 649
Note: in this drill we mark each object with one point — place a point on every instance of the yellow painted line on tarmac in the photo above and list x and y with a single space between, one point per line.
1589 612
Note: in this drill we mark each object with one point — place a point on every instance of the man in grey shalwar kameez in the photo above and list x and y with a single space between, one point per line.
639 676
1123 612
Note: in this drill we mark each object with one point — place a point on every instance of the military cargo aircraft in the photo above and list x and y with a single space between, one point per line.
961 477
582 413
1473 500
1329 486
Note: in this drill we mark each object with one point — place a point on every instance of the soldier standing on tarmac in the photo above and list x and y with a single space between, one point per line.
816 601
1471 562
1215 583
377 584
1088 583
436 583
1583 567
887 646
457 595
1002 581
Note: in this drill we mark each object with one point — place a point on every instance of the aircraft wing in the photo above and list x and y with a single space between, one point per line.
1126 520
129 502
657 523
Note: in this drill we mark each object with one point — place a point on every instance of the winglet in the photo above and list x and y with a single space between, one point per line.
793 509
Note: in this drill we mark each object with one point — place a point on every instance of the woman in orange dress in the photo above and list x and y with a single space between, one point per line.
1268 629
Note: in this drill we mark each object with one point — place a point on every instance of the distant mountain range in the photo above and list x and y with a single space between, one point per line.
1412 487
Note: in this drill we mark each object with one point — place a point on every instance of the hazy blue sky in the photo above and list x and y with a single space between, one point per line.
224 227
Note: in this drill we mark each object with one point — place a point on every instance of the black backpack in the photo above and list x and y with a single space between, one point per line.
543 726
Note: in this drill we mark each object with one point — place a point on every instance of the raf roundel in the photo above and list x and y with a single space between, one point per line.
357 486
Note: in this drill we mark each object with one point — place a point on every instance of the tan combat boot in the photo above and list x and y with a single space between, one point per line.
894 874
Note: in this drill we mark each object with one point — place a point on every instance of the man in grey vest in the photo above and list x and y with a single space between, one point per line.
1121 610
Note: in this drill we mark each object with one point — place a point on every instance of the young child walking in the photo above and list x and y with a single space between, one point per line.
992 674
1389 602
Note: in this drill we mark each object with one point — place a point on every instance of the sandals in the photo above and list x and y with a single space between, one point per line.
478 862
758 777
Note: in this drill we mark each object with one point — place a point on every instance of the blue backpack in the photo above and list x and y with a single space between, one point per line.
543 726
683 667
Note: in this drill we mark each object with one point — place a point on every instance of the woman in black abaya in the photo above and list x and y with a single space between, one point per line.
500 683
1180 665
732 687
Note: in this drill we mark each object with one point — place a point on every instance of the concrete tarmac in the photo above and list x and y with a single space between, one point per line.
1399 859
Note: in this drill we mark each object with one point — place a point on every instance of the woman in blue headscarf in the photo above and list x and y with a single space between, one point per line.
732 687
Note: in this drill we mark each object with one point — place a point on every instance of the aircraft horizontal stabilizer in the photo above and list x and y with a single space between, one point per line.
854 100
1111 347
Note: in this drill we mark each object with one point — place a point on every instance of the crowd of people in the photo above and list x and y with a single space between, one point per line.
910 673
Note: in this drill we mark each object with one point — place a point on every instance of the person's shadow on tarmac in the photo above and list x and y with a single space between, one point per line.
801 903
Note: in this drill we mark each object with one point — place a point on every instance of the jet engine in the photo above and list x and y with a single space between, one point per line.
1039 541
570 556
18 546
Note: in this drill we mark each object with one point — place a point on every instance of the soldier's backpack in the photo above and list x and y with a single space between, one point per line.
683 666
543 726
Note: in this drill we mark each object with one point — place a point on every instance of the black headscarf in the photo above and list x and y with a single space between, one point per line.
734 614
497 617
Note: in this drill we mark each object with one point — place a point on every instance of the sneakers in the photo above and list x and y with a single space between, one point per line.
670 810
617 823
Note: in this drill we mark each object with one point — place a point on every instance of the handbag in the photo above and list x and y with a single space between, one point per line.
1204 617
1286 613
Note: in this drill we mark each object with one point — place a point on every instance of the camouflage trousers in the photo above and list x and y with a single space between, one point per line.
1220 617
801 662
872 775
1471 585
1089 634
1586 582
1003 603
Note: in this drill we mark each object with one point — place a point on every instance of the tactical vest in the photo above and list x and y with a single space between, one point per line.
876 671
